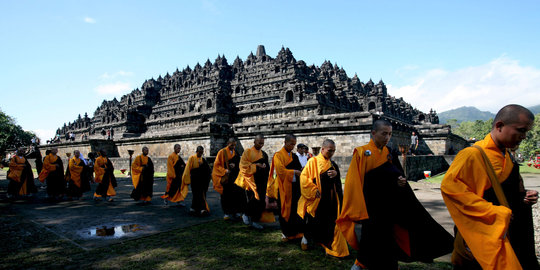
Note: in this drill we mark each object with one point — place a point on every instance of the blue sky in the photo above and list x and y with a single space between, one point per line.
62 58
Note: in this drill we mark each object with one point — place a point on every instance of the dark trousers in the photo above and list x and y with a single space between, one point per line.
254 208
232 199
378 247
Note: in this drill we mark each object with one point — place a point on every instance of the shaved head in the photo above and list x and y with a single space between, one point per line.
290 142
327 143
289 137
258 142
328 148
377 125
509 114
511 125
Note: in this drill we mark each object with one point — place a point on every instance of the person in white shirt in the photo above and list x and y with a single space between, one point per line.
301 152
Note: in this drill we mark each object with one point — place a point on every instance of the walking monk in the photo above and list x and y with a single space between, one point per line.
175 169
53 173
104 176
485 196
253 178
20 175
224 173
197 173
321 201
142 176
381 217
75 176
285 187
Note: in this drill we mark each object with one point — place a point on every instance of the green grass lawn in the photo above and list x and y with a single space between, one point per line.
526 169
522 169
212 245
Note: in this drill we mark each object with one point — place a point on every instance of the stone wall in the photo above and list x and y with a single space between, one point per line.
84 147
444 145
165 148
416 165
310 131
160 163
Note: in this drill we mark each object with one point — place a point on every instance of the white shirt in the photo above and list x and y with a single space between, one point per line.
303 159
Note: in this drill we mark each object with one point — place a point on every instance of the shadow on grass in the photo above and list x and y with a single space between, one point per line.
212 245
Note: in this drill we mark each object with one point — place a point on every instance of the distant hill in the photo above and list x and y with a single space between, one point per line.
535 109
472 114
465 114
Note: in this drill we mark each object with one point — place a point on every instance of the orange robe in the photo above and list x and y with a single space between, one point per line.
398 228
75 171
136 173
48 167
21 177
180 195
246 181
282 184
199 183
482 224
245 178
53 172
309 203
16 166
100 167
193 163
354 205
219 169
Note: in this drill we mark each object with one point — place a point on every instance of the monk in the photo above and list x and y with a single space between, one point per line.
381 217
224 173
175 169
285 187
491 235
39 159
86 174
142 176
321 202
20 176
75 176
197 173
104 176
53 174
253 178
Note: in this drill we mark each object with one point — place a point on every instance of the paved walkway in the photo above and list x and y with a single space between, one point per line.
77 221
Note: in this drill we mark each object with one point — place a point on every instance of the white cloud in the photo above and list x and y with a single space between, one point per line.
486 87
89 20
113 88
44 134
120 73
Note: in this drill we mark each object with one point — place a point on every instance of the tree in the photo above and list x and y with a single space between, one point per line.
532 143
469 130
453 123
11 134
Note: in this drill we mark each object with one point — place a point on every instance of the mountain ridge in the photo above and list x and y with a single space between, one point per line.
471 113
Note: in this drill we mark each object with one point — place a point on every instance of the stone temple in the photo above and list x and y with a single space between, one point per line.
209 103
